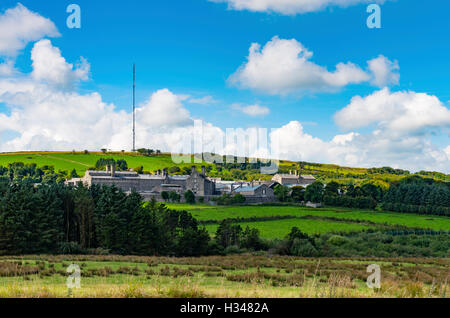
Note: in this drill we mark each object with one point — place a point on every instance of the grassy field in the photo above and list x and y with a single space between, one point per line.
227 276
325 219
81 162
281 228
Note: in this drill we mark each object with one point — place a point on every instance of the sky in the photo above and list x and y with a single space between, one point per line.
326 87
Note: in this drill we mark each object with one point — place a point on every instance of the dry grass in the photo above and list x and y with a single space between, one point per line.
227 277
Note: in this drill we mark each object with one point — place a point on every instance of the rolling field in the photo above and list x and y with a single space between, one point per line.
280 228
325 219
81 162
219 276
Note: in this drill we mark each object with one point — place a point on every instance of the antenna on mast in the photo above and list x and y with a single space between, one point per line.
134 108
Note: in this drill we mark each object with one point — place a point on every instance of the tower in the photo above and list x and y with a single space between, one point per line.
134 108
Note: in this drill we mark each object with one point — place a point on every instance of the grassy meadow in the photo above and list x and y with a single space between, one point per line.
309 220
245 275
220 276
82 162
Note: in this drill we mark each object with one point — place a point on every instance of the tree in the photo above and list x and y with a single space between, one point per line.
139 170
174 197
122 165
165 195
251 240
298 194
228 234
281 192
189 196
238 199
74 174
314 192
103 150
84 207
332 188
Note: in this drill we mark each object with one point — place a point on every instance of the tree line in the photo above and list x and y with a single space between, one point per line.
56 218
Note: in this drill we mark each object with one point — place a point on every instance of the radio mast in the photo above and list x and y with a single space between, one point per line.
134 108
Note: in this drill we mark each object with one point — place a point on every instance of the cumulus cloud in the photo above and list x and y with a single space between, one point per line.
251 110
397 112
164 109
290 7
19 26
361 150
50 67
284 66
7 68
384 71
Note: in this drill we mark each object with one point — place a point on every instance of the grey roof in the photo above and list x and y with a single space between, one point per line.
247 189
289 176
293 176
178 177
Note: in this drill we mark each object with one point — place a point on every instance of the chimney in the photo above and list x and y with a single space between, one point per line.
204 170
113 170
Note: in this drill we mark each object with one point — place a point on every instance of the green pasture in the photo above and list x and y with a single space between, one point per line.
81 162
342 215
280 228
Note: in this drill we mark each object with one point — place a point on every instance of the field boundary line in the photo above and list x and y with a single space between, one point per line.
67 160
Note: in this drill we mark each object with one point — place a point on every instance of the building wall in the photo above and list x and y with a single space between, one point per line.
198 184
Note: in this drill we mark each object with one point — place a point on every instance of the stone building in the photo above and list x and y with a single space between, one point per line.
256 193
199 184
294 179
152 186
143 183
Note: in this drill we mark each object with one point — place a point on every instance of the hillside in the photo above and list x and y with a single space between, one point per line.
80 161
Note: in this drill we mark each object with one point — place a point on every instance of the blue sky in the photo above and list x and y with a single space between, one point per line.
192 47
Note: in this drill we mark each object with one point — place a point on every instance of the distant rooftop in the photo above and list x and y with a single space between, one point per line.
247 189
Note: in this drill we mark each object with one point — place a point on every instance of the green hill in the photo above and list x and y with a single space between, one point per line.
80 161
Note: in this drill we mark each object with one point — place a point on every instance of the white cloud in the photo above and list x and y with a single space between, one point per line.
447 152
384 71
284 66
206 100
397 113
19 26
290 7
251 110
7 68
361 150
50 67
164 109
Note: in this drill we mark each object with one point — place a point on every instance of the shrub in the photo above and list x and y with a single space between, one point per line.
70 248
189 196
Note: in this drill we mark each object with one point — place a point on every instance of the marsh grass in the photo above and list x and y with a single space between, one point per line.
228 277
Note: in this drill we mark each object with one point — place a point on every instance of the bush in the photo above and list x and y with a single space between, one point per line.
232 249
302 247
70 248
337 240
189 196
